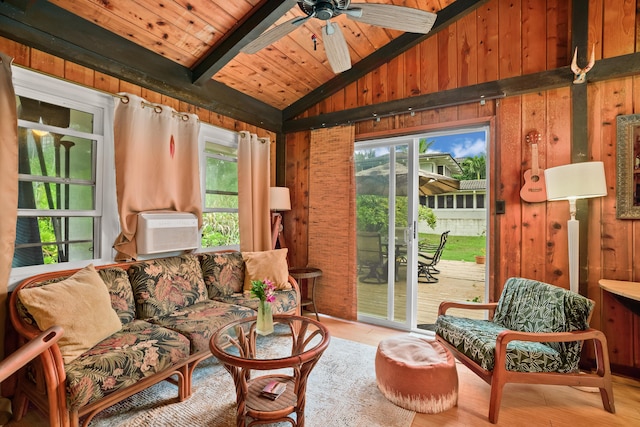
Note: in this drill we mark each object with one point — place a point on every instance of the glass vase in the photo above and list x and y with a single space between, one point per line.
264 324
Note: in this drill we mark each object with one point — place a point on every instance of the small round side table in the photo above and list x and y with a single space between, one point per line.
310 274
238 348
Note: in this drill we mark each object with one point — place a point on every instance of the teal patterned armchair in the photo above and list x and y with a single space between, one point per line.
534 335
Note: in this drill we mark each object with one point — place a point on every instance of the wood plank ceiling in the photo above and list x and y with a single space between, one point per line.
187 31
194 45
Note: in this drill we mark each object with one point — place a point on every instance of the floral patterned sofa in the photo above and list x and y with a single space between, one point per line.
534 334
166 310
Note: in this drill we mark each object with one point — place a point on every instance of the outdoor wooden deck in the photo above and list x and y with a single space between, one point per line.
458 281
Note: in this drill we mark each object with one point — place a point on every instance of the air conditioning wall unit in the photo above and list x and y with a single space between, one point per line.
166 232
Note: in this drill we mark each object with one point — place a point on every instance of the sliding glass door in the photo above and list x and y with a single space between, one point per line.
386 209
414 189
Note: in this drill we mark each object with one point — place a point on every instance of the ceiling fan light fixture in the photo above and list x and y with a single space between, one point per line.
324 10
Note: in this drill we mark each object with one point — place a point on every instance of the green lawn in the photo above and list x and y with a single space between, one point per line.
458 248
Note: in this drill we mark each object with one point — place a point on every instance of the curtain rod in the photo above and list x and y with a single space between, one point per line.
123 98
156 107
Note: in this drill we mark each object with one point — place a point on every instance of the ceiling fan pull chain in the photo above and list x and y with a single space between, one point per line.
314 38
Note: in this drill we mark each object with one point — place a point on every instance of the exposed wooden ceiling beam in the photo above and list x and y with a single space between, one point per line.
604 69
224 51
44 26
444 18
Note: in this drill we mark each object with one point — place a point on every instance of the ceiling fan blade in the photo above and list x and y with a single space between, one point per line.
354 11
273 35
395 17
336 48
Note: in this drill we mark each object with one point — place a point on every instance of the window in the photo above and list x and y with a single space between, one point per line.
444 170
449 201
63 132
428 201
480 201
468 201
220 207
445 201
464 201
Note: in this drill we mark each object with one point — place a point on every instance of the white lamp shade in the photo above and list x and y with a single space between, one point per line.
576 181
279 199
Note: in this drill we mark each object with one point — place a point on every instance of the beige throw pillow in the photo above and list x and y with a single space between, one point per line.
270 265
80 304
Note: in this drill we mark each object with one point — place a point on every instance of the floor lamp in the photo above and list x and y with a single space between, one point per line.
279 200
572 182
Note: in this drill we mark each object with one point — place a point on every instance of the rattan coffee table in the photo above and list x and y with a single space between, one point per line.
236 347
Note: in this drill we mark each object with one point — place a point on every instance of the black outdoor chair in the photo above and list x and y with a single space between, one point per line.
371 257
428 257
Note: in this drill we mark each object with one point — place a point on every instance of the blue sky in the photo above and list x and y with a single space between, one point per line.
459 145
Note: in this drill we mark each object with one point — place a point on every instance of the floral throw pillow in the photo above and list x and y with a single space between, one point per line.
165 285
223 273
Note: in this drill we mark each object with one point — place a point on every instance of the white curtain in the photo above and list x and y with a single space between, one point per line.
253 192
157 165
8 183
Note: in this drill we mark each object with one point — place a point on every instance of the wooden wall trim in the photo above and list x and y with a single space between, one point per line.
388 133
605 69
579 128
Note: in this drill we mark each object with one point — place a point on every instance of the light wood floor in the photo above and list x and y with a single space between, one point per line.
522 404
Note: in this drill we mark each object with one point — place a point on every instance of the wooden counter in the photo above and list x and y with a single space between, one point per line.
619 287
620 313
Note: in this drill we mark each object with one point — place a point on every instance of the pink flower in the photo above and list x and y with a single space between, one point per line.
264 290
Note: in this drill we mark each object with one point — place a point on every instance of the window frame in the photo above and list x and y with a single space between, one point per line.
54 90
213 134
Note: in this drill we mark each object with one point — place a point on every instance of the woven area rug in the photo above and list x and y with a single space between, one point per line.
341 392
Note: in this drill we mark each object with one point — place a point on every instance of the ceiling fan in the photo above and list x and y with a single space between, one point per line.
383 15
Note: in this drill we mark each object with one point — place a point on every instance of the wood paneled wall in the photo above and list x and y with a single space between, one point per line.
506 38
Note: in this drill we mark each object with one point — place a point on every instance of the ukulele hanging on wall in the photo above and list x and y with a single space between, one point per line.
534 188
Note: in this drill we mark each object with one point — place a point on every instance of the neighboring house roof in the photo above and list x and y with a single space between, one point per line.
473 184
441 159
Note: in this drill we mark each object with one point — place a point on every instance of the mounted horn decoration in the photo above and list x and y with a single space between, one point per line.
383 15
581 73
